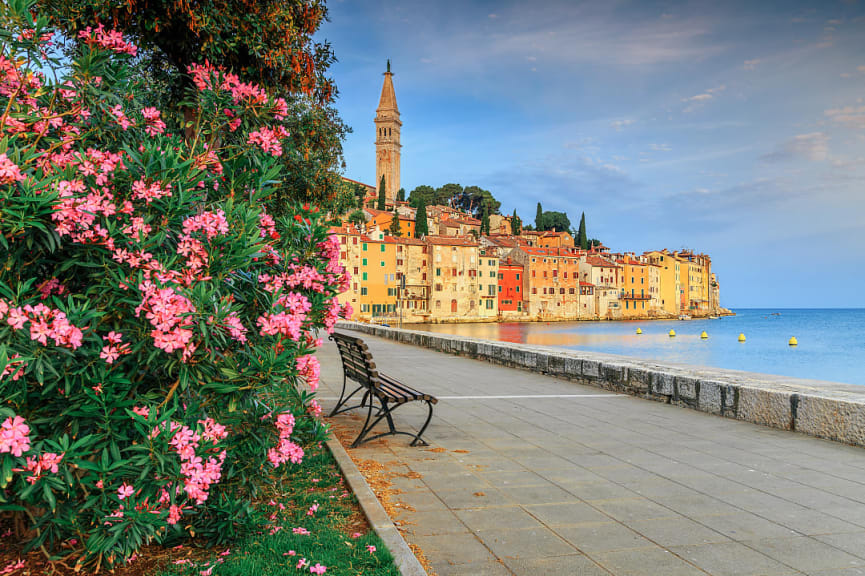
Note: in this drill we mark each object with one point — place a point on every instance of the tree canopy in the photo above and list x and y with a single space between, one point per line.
395 229
552 220
421 226
381 194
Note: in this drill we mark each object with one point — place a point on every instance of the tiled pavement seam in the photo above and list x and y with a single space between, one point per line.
627 485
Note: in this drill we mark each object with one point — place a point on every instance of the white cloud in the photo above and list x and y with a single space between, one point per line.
620 125
751 64
849 116
660 147
813 146
698 98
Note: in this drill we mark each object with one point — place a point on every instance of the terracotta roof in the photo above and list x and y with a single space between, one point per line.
451 241
348 229
406 240
600 262
585 283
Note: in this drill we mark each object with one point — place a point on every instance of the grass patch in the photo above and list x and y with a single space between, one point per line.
316 501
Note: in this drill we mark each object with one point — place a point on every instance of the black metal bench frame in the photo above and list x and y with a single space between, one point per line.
358 366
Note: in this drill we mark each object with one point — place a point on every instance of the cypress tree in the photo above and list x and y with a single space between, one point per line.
583 238
485 221
401 195
395 229
381 201
420 226
516 224
539 218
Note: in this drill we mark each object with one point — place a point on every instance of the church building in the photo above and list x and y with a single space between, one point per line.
387 146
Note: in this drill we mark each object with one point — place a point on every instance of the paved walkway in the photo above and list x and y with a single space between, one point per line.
533 475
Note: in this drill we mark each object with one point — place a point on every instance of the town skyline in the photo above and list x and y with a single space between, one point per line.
542 106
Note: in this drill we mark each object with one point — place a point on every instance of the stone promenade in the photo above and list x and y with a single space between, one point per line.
527 474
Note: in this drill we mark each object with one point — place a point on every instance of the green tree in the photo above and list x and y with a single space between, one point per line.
539 218
423 194
395 229
473 199
447 193
357 218
401 195
381 198
581 234
557 221
485 222
516 224
594 242
421 227
360 193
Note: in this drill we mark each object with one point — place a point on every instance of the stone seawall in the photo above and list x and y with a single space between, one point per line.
823 409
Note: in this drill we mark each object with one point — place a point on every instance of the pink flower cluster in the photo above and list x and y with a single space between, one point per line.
47 462
212 224
45 323
153 121
286 450
199 474
168 313
268 226
114 349
9 171
14 436
269 139
309 368
241 92
52 286
109 39
14 367
121 117
150 192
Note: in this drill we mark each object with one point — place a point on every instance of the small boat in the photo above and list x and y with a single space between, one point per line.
684 317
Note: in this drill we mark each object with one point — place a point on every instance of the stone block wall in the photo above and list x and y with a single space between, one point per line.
823 409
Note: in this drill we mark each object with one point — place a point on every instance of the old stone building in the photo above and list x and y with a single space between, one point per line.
387 136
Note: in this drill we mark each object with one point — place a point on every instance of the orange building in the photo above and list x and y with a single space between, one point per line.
510 287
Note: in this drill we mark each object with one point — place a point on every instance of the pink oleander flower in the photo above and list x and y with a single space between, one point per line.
300 531
269 139
370 548
9 171
318 569
125 491
312 510
174 514
309 369
302 563
142 411
14 436
154 124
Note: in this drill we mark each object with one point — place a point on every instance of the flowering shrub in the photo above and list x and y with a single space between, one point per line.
156 323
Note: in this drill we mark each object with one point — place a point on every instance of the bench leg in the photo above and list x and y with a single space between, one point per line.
366 426
423 428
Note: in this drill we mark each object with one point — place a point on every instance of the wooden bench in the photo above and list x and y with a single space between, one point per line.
358 366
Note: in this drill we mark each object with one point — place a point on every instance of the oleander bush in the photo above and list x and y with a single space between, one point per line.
156 322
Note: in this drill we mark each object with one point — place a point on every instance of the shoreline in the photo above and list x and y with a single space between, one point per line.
388 322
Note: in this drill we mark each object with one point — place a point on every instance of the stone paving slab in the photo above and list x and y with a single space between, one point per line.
589 483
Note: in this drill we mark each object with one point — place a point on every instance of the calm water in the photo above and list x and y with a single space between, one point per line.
831 342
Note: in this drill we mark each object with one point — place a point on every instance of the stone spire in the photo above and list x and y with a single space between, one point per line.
387 145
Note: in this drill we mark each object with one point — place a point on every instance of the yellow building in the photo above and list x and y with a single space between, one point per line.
412 263
454 279
670 274
635 289
488 284
378 283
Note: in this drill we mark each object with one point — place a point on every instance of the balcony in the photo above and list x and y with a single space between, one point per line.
627 296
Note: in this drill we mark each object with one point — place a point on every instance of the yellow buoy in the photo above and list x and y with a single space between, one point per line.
639 330
672 333
793 341
704 335
741 337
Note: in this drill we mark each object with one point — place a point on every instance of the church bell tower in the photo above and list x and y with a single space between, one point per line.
387 146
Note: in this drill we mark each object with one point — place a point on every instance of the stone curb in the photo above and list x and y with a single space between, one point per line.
404 558
828 410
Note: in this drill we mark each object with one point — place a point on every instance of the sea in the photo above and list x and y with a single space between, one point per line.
831 342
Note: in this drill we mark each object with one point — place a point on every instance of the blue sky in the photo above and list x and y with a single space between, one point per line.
735 129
